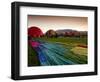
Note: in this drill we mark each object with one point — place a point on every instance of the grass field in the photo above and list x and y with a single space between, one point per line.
76 54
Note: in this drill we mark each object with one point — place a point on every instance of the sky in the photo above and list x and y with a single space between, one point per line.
46 23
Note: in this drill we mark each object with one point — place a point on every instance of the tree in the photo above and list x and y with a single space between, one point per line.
51 33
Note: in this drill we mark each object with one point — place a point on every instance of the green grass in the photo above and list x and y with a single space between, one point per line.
67 41
79 50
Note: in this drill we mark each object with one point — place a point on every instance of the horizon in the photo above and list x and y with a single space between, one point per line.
46 23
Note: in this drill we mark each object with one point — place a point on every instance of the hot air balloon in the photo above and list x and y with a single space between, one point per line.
35 32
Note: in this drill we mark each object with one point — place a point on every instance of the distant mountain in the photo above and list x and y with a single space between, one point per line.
65 30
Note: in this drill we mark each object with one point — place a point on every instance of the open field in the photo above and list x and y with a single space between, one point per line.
59 51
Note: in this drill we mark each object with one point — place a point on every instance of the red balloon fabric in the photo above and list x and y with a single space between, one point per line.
34 32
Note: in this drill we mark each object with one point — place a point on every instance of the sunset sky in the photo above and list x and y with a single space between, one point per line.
58 22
